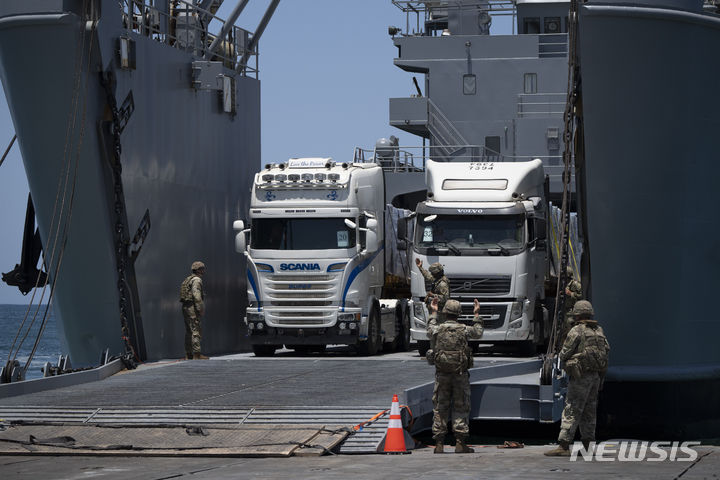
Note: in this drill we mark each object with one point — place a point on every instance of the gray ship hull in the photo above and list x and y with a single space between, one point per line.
184 160
649 81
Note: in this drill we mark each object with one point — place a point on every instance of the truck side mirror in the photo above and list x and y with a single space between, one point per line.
240 244
371 240
401 245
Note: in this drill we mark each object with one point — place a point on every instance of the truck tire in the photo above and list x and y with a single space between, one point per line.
371 346
423 347
264 350
402 341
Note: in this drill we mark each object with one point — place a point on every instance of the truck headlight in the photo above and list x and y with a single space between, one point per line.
516 310
418 310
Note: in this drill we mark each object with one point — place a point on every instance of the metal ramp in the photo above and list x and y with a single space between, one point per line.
365 440
507 389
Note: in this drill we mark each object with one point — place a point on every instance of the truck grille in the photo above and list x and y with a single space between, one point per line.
289 317
490 285
300 290
493 315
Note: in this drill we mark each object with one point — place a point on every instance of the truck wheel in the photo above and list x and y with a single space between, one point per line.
402 341
423 347
372 344
264 350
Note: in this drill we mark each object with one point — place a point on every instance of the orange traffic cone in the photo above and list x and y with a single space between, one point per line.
395 436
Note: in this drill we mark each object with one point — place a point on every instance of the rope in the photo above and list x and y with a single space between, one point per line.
378 415
7 150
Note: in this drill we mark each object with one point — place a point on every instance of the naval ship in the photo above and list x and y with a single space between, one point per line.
648 80
137 121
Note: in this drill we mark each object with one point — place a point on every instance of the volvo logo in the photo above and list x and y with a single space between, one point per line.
470 284
299 266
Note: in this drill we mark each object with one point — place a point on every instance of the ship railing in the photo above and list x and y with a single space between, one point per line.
190 28
540 104
552 45
430 17
398 159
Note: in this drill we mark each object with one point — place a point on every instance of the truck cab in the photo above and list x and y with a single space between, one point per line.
486 222
315 268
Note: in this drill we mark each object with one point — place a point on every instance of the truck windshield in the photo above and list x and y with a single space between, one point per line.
474 232
301 234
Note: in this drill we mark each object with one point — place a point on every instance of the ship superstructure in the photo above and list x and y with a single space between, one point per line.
484 97
137 127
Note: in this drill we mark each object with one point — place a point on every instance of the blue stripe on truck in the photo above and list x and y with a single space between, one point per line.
356 271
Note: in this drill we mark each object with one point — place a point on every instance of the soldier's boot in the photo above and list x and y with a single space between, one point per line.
562 450
462 447
199 356
439 446
188 356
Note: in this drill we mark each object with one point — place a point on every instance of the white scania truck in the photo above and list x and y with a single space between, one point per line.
316 259
486 223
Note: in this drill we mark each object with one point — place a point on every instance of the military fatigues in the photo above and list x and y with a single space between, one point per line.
439 286
585 355
451 395
575 289
193 308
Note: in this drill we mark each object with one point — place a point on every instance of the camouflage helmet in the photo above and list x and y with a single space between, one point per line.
569 271
436 269
452 307
583 309
197 266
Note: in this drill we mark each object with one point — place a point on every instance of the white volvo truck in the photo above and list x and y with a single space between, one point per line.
316 259
486 223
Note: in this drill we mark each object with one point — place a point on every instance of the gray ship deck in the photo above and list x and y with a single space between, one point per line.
284 392
331 389
246 381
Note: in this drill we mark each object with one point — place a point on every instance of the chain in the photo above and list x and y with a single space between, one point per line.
568 157
130 357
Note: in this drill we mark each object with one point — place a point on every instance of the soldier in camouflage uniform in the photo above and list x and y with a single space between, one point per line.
193 308
440 287
573 293
452 356
585 355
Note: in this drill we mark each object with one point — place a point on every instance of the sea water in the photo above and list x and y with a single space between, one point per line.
11 318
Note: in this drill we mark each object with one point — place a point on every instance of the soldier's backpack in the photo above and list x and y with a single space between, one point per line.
451 348
186 290
593 357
